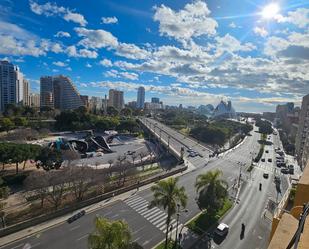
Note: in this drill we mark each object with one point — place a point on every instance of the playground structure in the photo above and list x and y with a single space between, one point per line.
84 146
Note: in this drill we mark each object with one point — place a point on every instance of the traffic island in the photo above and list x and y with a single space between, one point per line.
205 221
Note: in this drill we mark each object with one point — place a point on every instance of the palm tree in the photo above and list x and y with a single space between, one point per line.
212 190
109 235
167 195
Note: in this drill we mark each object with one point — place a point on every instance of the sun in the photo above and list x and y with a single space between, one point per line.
270 11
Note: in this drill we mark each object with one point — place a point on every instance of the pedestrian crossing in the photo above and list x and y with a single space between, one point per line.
154 215
266 167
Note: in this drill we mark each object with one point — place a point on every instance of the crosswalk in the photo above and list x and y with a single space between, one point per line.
267 168
154 215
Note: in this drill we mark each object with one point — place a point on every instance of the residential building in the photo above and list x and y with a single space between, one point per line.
116 99
152 106
46 92
155 100
11 84
133 104
60 93
34 100
95 103
85 100
140 97
285 224
302 138
26 90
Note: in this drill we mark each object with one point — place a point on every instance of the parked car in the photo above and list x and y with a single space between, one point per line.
76 216
222 229
189 150
270 160
267 151
266 175
285 170
291 169
263 159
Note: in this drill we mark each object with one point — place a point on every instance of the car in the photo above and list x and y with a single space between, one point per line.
222 229
263 159
291 169
267 151
285 170
266 175
76 216
280 153
189 150
270 160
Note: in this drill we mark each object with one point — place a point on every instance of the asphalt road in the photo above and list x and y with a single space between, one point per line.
148 225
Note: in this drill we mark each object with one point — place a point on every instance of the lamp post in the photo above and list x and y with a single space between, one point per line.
177 222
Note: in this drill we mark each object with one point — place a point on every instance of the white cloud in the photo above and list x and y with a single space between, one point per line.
75 17
109 20
260 31
106 63
299 17
59 64
116 74
230 44
88 65
232 25
96 38
62 34
192 21
52 9
72 51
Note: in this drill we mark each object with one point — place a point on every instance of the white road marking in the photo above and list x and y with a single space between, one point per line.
20 245
83 237
73 228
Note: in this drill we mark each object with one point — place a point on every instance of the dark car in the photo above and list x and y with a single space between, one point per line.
266 175
76 216
263 159
270 160
285 171
291 169
266 151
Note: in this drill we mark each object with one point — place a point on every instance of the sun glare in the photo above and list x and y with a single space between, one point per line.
270 11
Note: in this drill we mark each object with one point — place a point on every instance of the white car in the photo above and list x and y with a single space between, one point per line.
222 229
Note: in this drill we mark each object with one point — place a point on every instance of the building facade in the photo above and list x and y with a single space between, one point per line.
302 138
116 99
11 85
155 100
46 92
140 98
26 91
59 92
34 100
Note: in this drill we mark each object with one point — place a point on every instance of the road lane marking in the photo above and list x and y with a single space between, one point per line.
83 237
73 228
20 245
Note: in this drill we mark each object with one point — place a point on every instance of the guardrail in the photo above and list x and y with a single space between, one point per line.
58 213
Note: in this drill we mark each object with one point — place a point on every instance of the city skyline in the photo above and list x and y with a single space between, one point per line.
251 54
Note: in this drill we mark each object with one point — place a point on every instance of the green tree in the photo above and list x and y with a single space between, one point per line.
212 191
20 121
112 111
49 159
126 111
167 194
111 235
6 124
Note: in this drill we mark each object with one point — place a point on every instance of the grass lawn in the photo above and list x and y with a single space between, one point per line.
205 221
169 245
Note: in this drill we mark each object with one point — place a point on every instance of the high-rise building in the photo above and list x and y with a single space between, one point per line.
116 99
46 92
96 103
60 93
34 100
155 100
302 138
26 91
11 84
140 97
85 100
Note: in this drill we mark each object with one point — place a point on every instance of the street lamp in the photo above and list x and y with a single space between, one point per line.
177 222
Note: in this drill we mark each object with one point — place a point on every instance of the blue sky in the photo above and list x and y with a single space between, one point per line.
253 52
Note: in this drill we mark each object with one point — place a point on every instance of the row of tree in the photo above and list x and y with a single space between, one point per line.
7 124
265 126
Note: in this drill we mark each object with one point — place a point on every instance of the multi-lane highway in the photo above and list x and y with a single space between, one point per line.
148 225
